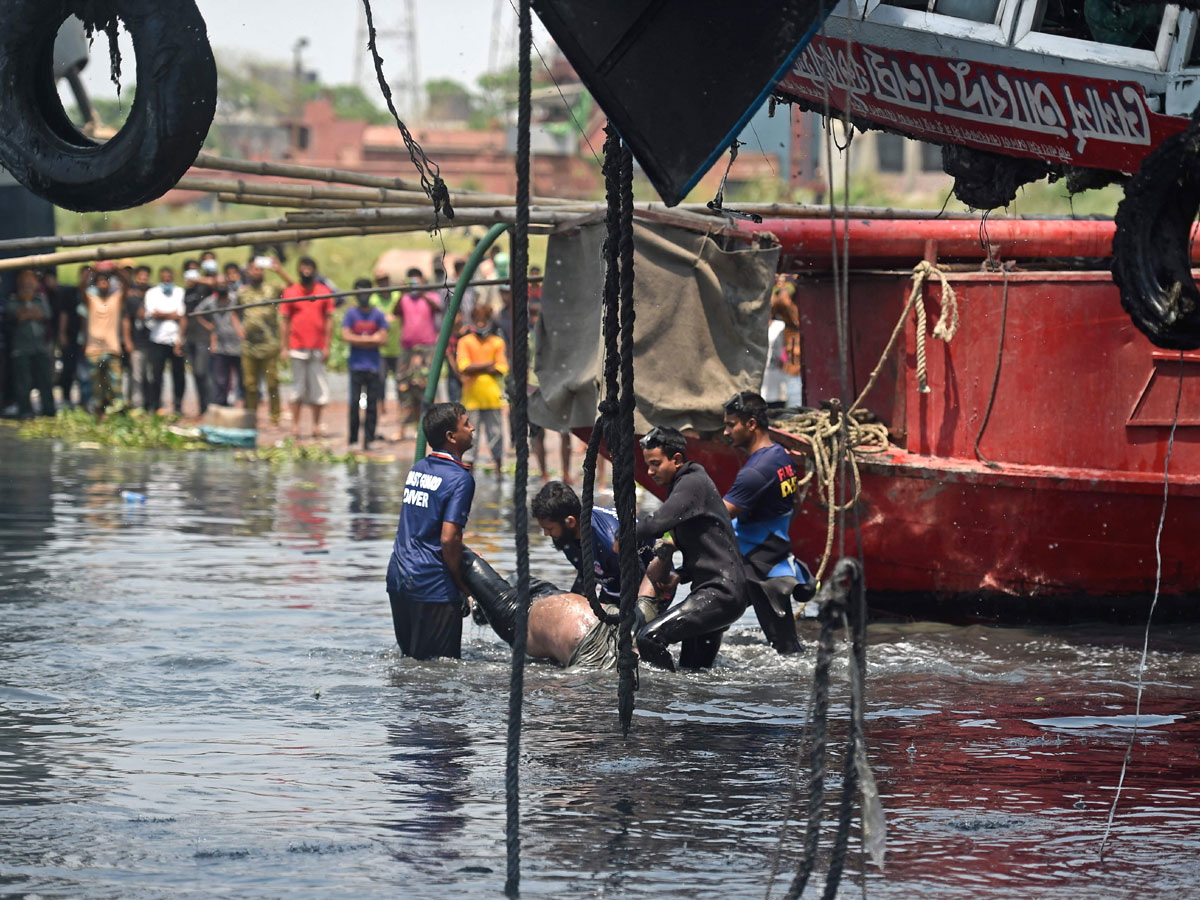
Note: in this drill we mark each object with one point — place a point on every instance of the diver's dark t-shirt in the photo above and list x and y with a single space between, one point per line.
607 559
438 489
765 491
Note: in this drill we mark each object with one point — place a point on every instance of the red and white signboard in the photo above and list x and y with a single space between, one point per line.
1057 117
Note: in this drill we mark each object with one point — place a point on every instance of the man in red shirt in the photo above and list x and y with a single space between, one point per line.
306 328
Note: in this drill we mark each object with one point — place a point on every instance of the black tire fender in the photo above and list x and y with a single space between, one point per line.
169 119
1152 246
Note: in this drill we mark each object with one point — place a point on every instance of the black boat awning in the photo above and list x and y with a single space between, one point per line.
680 78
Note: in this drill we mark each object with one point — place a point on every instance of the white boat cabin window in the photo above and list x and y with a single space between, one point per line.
990 21
1107 32
1119 22
975 10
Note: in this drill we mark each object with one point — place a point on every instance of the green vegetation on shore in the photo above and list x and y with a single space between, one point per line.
126 430
139 430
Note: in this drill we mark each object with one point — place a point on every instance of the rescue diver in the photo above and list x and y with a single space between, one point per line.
557 510
760 503
695 515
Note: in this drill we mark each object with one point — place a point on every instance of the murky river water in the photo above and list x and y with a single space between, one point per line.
201 697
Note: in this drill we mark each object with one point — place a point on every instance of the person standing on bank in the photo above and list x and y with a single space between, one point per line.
424 578
198 330
225 349
306 333
365 330
164 310
760 503
695 515
260 335
137 366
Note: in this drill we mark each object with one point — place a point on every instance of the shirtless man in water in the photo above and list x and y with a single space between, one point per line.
561 626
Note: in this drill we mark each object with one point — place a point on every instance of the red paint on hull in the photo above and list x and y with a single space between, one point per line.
1079 428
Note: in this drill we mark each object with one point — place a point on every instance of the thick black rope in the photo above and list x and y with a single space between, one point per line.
609 406
431 179
624 488
842 600
520 330
829 616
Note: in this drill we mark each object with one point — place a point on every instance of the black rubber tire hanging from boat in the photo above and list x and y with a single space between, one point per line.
168 120
1153 243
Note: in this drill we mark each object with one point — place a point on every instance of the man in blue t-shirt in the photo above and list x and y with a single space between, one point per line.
365 330
424 577
557 509
760 503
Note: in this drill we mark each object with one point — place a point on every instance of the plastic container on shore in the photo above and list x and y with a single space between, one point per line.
133 497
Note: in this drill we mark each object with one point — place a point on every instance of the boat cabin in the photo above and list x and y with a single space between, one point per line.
1092 83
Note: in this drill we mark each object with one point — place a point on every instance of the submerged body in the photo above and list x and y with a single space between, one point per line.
561 626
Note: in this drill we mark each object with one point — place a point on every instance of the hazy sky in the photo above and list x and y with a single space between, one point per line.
453 36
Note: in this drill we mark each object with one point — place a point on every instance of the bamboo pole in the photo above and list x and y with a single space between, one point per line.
458 197
313 173
261 200
156 248
393 214
412 220
139 234
301 191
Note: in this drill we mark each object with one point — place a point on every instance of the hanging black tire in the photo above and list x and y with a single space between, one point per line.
169 119
1153 242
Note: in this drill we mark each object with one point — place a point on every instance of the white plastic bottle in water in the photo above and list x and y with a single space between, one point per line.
133 497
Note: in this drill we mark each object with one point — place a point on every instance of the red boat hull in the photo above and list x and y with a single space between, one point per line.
1065 525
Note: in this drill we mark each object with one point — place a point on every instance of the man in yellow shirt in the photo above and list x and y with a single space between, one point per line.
483 365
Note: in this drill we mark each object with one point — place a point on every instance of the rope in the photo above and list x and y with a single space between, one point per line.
832 436
987 413
624 489
609 405
1162 518
614 424
520 325
843 602
947 324
431 179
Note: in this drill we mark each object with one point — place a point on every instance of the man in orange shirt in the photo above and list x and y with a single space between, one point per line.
305 341
483 364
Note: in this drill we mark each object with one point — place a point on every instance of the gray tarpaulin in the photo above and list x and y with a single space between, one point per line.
703 309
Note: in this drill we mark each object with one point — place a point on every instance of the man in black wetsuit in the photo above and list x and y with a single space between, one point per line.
695 515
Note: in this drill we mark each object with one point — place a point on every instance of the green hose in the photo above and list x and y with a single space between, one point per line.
448 317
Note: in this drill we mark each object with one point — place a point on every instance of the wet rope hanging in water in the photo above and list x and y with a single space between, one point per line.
431 179
1141 675
609 406
621 447
614 423
520 368
842 601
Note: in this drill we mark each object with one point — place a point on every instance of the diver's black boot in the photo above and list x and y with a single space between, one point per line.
495 596
772 601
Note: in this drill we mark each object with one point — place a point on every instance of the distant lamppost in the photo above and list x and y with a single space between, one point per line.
297 81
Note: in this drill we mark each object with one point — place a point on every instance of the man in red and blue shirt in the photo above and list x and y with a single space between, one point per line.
760 503
424 576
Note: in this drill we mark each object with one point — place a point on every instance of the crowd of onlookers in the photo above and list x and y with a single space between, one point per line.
113 340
